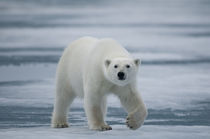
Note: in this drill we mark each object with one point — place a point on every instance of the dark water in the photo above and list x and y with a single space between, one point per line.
171 37
16 116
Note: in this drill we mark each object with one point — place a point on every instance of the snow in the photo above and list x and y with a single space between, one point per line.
146 132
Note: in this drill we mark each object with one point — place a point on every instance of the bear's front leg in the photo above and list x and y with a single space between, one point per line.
95 107
132 102
135 119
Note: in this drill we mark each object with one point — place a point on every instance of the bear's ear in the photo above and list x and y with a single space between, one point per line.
137 62
107 62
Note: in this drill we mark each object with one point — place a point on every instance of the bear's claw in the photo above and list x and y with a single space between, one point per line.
107 127
132 123
60 125
103 128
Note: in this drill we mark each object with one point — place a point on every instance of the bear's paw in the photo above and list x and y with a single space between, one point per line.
60 125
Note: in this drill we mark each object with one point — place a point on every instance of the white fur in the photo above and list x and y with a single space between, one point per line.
87 69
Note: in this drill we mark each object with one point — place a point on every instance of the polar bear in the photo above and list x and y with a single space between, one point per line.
93 68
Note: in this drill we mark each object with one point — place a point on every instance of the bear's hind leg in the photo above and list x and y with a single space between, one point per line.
62 102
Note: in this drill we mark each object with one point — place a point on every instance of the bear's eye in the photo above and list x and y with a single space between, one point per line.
128 66
115 66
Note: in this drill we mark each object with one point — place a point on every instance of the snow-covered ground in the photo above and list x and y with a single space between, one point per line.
172 38
146 132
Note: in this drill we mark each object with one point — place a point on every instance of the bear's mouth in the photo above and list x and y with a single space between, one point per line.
121 79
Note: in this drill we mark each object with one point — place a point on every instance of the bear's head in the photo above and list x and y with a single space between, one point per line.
121 71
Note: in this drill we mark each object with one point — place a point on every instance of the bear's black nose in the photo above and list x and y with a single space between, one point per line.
121 75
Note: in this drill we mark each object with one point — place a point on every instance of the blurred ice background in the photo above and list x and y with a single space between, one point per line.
172 38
